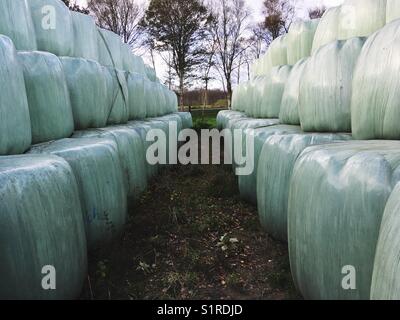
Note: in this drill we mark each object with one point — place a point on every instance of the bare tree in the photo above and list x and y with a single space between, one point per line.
279 15
120 16
317 12
229 26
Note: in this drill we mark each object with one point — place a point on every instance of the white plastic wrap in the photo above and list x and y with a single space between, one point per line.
327 30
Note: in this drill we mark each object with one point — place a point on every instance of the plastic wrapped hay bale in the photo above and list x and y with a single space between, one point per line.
137 101
41 224
117 89
87 86
109 45
289 113
361 18
187 121
151 73
131 152
392 10
48 97
385 279
326 87
375 108
16 23
277 159
128 59
327 29
269 99
278 51
337 198
151 99
85 36
248 183
53 25
98 171
15 125
300 40
224 116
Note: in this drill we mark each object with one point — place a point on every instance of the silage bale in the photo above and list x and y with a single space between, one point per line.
224 116
117 89
289 113
85 36
375 100
277 52
385 279
151 73
337 198
53 26
392 10
137 100
41 224
151 99
361 18
15 125
187 121
326 87
131 152
300 40
128 59
269 92
327 30
16 23
98 171
110 45
87 86
48 97
276 162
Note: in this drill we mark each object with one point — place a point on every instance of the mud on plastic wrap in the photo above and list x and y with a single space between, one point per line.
53 26
50 109
16 23
41 224
15 125
98 171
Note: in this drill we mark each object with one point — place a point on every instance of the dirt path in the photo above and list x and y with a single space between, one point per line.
192 238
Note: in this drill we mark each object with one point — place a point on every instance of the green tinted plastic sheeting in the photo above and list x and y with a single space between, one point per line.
139 66
118 89
327 30
16 23
277 52
375 107
326 87
161 101
392 10
53 26
85 36
41 224
128 59
109 45
248 183
131 152
151 98
289 113
385 279
337 198
15 125
186 117
269 93
87 87
151 73
361 18
136 94
300 40
276 163
50 109
98 171
224 116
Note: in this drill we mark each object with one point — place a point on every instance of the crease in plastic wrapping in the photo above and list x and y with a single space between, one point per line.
15 125
375 100
131 152
289 112
276 162
85 36
300 40
50 110
110 47
87 86
16 23
53 26
361 18
326 87
41 224
327 30
98 171
248 183
392 10
337 198
117 89
385 279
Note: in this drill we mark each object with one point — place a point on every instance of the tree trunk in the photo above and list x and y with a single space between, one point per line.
205 99
229 92
181 91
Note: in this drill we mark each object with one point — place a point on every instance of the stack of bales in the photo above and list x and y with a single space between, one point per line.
66 176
